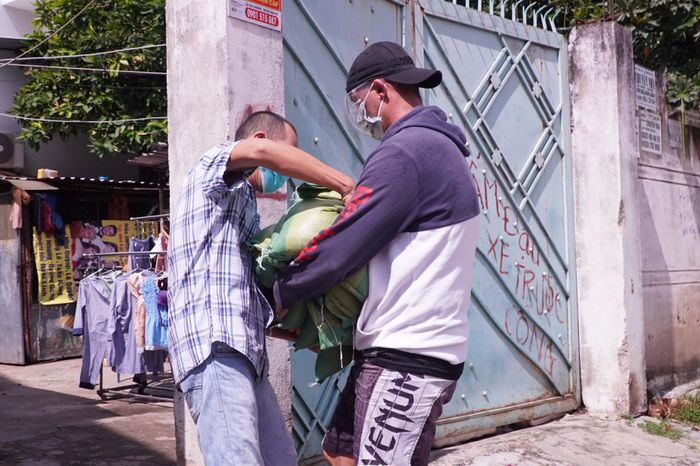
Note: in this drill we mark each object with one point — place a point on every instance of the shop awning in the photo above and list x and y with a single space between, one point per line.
82 183
31 185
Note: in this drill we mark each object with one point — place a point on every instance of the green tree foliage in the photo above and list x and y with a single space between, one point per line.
84 95
666 38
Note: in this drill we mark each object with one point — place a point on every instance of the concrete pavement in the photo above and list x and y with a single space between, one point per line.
46 420
579 440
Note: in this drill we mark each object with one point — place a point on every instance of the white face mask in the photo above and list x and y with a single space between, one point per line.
357 113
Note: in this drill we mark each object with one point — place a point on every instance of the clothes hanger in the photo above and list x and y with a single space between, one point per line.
100 268
109 270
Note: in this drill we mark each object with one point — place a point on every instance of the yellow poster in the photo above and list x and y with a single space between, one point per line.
105 236
54 270
127 229
58 266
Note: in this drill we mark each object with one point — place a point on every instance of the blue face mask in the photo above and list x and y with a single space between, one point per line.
270 180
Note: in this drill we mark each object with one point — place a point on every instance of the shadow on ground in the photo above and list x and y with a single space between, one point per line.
47 426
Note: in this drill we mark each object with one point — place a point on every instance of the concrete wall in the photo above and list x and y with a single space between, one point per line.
73 158
12 336
669 204
27 5
219 69
608 259
15 19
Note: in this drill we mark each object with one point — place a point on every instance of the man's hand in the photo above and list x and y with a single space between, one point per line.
289 335
347 197
280 312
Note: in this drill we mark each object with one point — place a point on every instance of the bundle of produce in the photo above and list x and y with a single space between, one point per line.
325 323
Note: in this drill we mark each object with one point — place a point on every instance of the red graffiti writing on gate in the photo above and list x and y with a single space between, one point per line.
529 337
517 259
514 251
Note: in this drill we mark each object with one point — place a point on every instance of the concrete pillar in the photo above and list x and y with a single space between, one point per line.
608 262
219 70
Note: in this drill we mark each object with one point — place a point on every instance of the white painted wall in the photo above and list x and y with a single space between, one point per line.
15 18
26 5
608 252
669 204
10 80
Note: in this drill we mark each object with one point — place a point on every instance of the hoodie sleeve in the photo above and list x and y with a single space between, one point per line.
383 205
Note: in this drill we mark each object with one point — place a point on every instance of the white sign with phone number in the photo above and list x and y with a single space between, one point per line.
265 13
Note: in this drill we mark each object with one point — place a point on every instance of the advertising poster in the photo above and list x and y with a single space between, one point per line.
105 236
54 271
60 266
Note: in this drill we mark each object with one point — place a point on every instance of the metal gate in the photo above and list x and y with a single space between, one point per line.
506 85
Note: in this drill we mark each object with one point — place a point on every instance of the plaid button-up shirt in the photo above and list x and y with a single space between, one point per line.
211 291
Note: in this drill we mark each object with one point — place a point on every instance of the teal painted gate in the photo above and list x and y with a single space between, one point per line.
506 85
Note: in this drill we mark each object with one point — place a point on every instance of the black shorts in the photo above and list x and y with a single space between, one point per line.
386 416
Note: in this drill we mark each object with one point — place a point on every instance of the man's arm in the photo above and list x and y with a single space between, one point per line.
383 205
287 160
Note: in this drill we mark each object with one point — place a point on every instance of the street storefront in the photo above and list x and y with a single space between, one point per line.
54 224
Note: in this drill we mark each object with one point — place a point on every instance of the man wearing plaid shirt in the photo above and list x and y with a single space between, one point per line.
217 315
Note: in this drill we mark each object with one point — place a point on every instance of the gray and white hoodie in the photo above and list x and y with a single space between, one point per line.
413 218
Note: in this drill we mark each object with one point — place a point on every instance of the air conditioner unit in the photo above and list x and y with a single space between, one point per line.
11 152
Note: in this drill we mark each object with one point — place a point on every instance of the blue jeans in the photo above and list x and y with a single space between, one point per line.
239 421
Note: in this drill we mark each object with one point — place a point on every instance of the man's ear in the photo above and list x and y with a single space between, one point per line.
259 135
380 86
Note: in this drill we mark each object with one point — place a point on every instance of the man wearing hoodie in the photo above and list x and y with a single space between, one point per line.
413 218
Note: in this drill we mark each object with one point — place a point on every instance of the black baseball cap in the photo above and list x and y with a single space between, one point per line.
390 61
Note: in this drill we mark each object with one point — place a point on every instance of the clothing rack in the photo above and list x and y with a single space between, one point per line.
90 255
102 392
145 218
149 217
99 255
